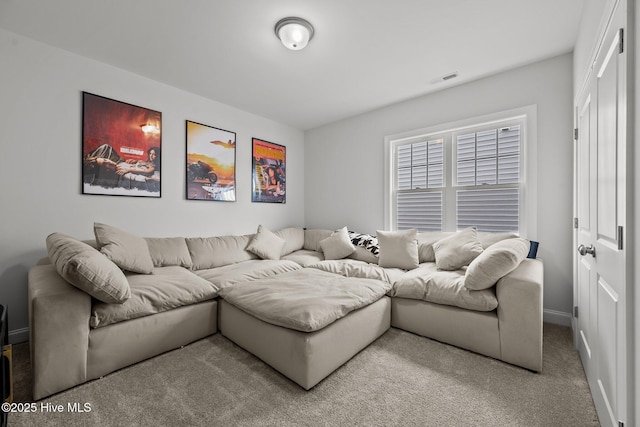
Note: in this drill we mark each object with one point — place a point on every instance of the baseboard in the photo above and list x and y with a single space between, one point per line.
18 335
557 317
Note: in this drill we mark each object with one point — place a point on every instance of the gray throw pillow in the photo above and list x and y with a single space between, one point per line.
127 251
495 262
338 245
459 249
398 249
266 244
87 269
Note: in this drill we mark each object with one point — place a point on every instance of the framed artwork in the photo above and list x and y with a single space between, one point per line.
211 163
269 172
121 146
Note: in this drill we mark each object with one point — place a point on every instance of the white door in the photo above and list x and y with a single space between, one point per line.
600 279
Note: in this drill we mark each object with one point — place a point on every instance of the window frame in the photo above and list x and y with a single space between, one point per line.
528 165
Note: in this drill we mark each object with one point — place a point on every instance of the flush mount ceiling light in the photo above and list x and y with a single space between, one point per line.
294 32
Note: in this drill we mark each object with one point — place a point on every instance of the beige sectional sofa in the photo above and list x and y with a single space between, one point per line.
93 311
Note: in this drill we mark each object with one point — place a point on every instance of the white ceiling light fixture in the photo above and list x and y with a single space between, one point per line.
294 32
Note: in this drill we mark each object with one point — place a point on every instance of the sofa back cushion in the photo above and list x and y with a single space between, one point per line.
87 269
293 238
211 252
487 239
426 241
169 251
425 244
313 237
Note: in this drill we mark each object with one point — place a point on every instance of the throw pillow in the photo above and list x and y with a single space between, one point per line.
168 251
495 262
398 249
338 245
459 249
87 269
266 244
127 251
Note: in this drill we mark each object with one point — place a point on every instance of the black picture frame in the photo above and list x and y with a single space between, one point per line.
210 163
268 172
121 148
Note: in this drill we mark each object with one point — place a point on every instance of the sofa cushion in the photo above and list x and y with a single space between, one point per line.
362 254
245 271
355 268
127 251
459 249
87 269
398 249
487 239
304 257
306 300
210 252
164 289
425 244
266 244
494 262
427 283
337 245
293 237
168 251
312 238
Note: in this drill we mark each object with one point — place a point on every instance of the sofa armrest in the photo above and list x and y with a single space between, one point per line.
520 298
59 331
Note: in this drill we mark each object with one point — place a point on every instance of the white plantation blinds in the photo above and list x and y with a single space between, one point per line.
488 178
420 178
457 179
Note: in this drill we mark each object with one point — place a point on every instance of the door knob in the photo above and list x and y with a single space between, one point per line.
583 250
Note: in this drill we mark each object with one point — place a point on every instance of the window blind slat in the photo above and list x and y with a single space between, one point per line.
420 210
494 209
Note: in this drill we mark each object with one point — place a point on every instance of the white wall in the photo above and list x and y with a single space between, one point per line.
40 162
344 160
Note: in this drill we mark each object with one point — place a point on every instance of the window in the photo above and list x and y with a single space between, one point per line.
420 182
463 174
488 178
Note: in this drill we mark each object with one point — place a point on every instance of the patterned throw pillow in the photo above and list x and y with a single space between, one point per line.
366 241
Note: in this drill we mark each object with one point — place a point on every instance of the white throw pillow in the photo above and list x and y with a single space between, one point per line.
127 251
398 249
338 245
266 244
459 249
495 262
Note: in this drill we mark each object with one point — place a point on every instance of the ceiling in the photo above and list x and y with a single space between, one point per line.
365 54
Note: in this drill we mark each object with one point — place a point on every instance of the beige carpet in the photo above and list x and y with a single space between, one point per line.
401 379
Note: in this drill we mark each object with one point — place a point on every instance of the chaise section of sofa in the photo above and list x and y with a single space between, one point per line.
511 333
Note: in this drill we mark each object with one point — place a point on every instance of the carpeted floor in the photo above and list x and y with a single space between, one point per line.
401 379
